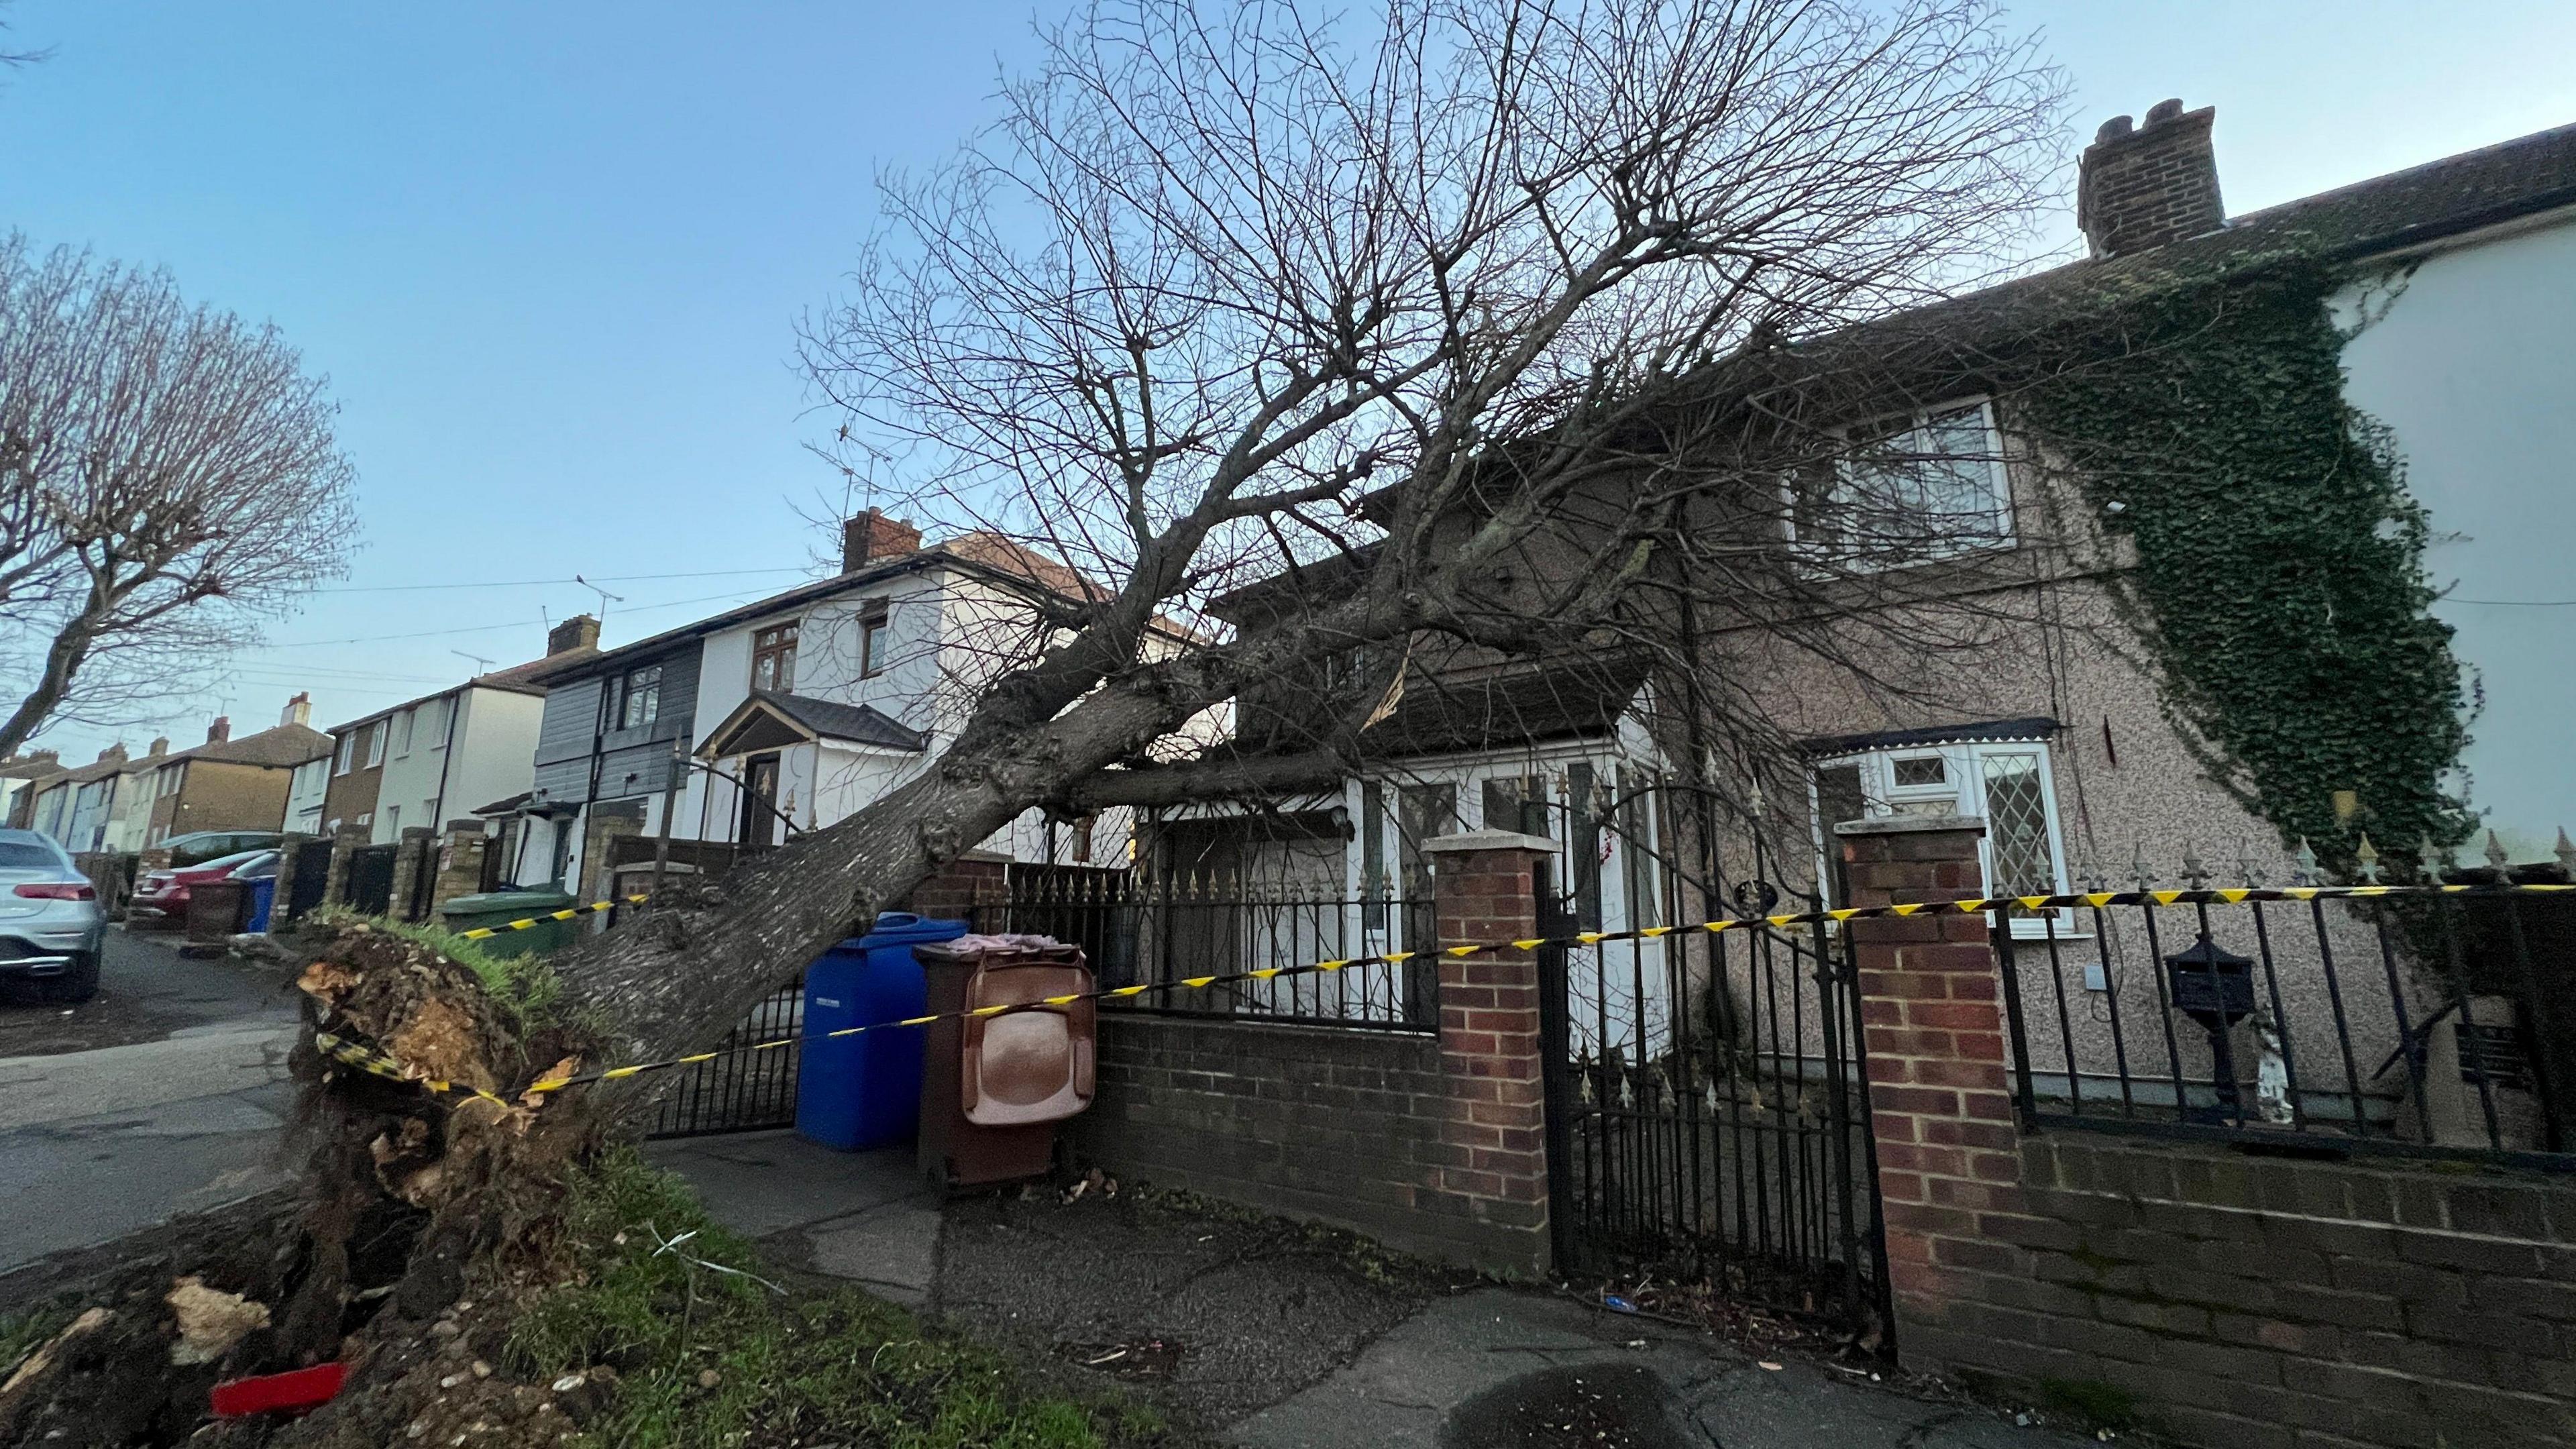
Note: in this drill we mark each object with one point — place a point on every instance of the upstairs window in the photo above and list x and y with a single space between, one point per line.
773 658
376 744
639 696
875 635
348 751
402 732
1907 489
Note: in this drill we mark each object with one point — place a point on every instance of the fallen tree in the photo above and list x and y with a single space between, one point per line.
1407 300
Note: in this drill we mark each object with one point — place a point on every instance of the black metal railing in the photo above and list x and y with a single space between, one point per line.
1147 929
2434 1025
742 1090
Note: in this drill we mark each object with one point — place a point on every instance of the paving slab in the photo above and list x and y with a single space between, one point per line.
1500 1367
865 1216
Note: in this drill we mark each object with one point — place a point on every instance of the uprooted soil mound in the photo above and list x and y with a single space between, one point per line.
422 1217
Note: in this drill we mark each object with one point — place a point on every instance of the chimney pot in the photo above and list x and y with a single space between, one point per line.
581 631
160 745
2141 188
299 710
871 536
220 731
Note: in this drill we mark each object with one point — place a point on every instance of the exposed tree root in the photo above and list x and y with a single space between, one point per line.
421 1220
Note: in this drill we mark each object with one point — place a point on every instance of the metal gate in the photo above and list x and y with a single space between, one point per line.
371 879
1706 1093
311 881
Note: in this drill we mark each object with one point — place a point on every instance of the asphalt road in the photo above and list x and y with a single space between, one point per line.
97 1144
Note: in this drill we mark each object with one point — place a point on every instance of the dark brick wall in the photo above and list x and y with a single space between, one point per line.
1317 1122
1434 1144
2237 1300
2271 1303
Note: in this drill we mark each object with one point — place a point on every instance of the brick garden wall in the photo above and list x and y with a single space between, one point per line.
1434 1144
2233 1300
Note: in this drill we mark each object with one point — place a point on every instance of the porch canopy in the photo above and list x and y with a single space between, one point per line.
769 720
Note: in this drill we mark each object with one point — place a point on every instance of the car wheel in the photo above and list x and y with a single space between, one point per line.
79 981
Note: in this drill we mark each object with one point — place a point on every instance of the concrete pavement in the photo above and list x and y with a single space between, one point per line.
863 1216
1277 1341
1500 1367
97 1144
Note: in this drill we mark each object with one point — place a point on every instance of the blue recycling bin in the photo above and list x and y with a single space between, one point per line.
263 898
864 1091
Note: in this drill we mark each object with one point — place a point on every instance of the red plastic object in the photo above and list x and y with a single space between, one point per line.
296 1391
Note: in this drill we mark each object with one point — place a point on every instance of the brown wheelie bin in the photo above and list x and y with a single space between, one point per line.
994 1087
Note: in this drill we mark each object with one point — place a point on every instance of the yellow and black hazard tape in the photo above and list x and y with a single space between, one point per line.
367 1058
485 933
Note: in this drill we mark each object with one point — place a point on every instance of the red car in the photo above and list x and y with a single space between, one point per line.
163 894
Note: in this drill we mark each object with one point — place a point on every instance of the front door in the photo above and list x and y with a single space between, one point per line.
759 803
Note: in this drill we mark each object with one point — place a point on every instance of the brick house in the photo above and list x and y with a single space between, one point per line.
227 783
2046 711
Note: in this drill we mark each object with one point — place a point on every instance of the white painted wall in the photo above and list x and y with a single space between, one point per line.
496 751
304 792
947 635
2471 361
494 744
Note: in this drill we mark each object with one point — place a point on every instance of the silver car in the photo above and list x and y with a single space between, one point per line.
51 928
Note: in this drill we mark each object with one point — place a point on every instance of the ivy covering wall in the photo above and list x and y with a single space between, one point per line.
2279 577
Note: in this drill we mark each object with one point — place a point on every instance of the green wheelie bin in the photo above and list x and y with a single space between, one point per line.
499 908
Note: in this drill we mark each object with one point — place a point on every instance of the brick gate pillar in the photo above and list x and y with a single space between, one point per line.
415 843
1494 1122
1939 1085
973 886
290 849
345 842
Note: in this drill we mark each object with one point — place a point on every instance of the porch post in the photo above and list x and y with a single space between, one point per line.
1493 1130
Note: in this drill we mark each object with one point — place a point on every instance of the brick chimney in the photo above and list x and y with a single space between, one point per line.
114 752
2143 186
298 711
872 536
160 746
581 631
220 731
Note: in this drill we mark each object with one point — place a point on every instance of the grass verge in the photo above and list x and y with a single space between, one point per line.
23 1333
709 1358
524 986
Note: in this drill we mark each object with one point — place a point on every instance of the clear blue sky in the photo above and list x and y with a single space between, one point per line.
550 255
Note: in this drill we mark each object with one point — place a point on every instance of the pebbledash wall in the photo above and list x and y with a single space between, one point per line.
1431 1143
2233 1300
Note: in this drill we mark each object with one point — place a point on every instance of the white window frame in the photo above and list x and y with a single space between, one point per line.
376 743
403 722
1963 790
1936 548
348 753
